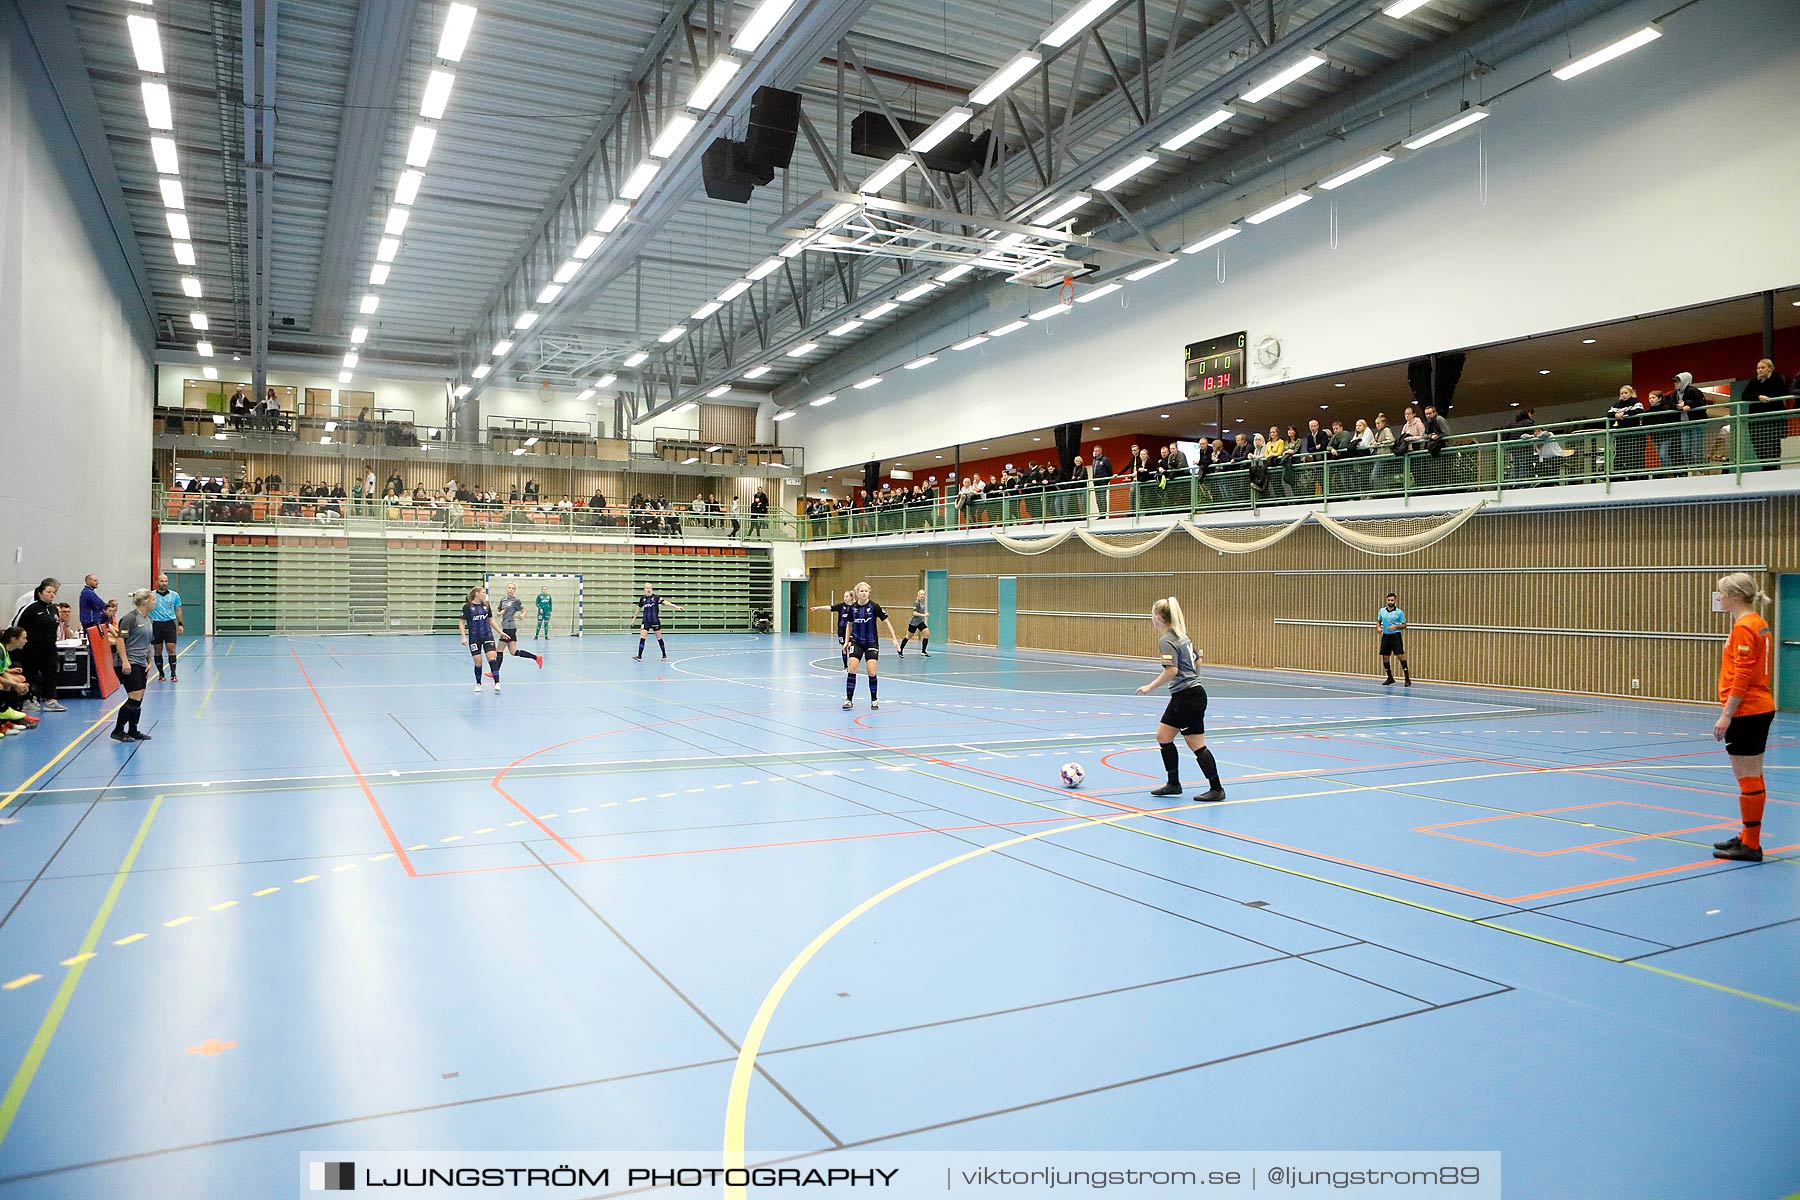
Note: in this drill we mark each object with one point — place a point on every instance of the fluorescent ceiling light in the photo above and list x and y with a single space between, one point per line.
1605 54
190 286
637 359
204 349
1357 172
584 249
386 249
171 193
178 226
1212 239
1276 82
359 335
343 377
793 249
849 326
1147 272
760 23
525 320
803 349
880 310
885 174
211 373
1011 239
462 389
370 303
378 274
1404 7
1061 209
1053 311
1136 166
712 84
835 214
784 415
162 149
198 320
757 372
690 460
715 393
913 293
502 347
1083 16
550 293
406 190
954 273
146 44
609 220
184 253
639 179
715 446
1098 292
765 268
865 384
942 128
1444 129
480 372
156 106
924 360
606 380
350 360
567 271
970 343
396 221
437 95
822 401
1286 204
685 408
457 23
584 394
737 289
1021 65
1009 327
418 150
706 310
679 126
673 334
1200 128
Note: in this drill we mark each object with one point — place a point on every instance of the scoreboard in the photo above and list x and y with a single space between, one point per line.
1215 366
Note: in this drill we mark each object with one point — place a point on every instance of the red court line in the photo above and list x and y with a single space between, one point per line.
368 792
824 841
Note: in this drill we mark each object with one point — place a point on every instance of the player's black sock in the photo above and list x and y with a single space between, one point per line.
663 646
123 720
924 643
528 654
1209 766
156 652
640 647
903 642
1386 666
1171 762
874 687
172 661
1406 671
494 667
846 657
477 670
850 685
134 709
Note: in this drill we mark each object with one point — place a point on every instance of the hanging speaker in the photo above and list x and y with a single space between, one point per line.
728 174
773 124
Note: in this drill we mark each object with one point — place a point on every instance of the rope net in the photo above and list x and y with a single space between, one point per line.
1388 537
1392 537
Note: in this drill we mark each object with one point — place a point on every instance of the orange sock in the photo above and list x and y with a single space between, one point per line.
1750 803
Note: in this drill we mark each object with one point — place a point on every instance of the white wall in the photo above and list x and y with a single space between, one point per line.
1668 178
75 355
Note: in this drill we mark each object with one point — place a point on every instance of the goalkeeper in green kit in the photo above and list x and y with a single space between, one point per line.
543 612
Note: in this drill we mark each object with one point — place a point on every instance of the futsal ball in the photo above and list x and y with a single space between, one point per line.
1072 775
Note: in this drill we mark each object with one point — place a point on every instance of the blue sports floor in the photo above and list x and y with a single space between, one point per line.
341 901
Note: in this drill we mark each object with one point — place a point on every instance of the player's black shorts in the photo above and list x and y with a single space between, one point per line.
867 651
477 645
916 624
650 626
162 631
1747 737
1187 711
137 678
1393 643
509 633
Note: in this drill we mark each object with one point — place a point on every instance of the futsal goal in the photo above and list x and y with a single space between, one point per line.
565 592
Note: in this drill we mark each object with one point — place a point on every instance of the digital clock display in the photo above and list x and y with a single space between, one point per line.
1215 366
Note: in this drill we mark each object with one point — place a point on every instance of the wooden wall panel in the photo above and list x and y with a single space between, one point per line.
1584 600
732 424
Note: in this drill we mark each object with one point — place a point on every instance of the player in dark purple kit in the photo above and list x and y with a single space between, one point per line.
477 626
649 620
861 644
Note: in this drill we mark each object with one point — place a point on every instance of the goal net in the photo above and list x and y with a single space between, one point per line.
565 592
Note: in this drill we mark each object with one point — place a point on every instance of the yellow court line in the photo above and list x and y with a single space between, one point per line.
40 1042
73 742
207 699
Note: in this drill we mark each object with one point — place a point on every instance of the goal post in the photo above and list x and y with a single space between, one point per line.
566 595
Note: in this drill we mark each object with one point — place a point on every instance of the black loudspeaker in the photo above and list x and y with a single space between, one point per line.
774 123
728 174
872 135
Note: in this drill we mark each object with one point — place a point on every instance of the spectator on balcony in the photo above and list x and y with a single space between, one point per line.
1690 402
418 494
1412 431
1662 421
531 491
396 485
1622 420
239 405
1102 474
759 512
1762 397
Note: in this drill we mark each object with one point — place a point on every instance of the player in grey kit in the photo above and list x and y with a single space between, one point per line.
509 610
917 625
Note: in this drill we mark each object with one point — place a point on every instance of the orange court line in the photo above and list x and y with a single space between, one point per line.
399 850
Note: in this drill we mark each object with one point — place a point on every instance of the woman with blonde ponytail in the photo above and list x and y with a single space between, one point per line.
1186 711
1747 708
